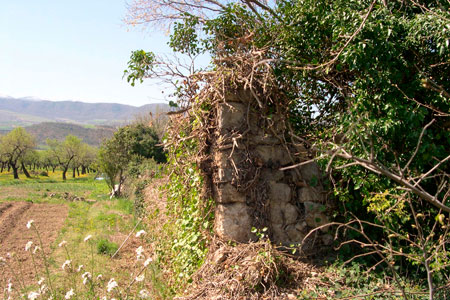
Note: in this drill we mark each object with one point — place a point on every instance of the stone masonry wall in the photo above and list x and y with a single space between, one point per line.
248 187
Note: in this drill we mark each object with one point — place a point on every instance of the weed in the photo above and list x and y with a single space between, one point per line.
104 246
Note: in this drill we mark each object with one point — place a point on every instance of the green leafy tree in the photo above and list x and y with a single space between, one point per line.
129 143
65 152
14 146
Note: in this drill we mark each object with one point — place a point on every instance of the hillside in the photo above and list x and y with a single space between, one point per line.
9 118
22 111
50 130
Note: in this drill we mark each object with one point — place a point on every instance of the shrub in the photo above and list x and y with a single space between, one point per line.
104 246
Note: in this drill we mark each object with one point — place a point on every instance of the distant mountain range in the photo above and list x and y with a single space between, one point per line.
25 111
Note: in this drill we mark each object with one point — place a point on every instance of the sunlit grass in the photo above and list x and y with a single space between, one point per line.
108 221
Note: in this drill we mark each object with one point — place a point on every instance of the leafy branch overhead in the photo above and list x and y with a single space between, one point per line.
368 89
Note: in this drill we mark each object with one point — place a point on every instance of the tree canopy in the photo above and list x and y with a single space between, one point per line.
15 146
368 89
129 144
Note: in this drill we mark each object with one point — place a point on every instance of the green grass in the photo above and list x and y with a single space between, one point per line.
107 220
40 188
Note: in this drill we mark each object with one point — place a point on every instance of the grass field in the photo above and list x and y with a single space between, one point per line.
68 211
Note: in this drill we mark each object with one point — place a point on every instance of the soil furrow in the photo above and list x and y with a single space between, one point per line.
9 217
4 206
14 235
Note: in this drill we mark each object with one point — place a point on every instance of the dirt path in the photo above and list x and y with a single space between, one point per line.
14 235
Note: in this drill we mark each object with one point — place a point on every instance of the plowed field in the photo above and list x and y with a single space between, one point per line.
14 235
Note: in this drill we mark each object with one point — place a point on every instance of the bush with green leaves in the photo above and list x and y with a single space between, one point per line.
104 246
131 144
370 95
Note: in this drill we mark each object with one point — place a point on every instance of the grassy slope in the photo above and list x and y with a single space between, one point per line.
9 120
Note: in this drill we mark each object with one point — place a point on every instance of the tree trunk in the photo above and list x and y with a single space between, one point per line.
9 167
64 173
25 171
83 170
73 173
78 172
15 172
1 170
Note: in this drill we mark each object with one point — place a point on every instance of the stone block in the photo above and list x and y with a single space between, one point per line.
317 219
276 213
301 226
279 236
327 239
273 154
233 222
295 175
290 213
295 236
279 192
313 207
226 193
224 175
221 159
264 139
311 173
310 195
231 115
271 175
239 95
283 213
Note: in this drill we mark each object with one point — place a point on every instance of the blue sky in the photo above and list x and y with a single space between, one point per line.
73 50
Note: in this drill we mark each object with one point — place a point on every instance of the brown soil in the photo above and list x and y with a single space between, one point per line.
14 235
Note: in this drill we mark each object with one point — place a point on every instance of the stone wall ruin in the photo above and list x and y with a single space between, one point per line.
248 186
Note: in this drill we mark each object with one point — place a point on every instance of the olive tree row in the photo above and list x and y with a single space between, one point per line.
18 151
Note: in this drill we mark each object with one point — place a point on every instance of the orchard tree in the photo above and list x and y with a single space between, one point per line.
65 152
14 147
88 157
48 160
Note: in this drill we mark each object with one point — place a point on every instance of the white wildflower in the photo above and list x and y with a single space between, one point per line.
140 232
66 264
140 278
2 259
63 243
9 288
86 276
33 295
29 226
43 289
41 281
36 249
80 267
87 238
139 253
69 294
144 294
148 261
28 245
99 277
111 285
